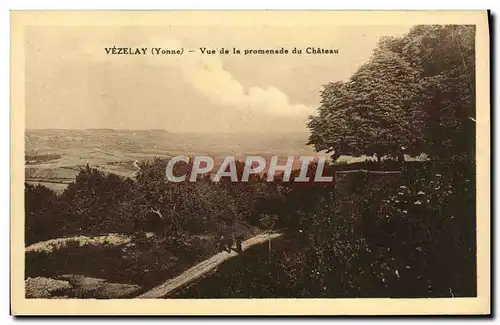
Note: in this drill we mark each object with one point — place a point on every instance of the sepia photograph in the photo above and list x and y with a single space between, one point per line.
214 158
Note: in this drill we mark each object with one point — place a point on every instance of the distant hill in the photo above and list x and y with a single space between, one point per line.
54 156
116 150
164 143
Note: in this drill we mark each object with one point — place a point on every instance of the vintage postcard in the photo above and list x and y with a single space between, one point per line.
250 163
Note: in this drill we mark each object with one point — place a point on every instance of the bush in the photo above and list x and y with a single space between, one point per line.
380 235
428 226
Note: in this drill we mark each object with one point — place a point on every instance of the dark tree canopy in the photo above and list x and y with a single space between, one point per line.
415 94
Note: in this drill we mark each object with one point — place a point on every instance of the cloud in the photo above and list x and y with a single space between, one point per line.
205 72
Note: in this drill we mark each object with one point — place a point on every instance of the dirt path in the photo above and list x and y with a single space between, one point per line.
203 268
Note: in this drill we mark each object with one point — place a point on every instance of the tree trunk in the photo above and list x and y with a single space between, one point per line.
269 239
401 157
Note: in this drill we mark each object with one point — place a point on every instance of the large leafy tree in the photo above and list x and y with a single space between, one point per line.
416 94
447 68
332 130
372 113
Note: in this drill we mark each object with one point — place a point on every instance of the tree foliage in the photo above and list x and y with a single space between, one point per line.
415 94
99 203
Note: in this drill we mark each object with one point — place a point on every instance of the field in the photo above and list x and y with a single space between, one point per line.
115 151
63 153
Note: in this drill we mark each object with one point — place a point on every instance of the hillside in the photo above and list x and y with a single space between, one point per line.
115 151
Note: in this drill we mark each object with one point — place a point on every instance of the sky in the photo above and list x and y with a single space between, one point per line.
71 83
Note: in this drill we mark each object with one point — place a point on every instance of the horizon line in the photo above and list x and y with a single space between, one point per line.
156 129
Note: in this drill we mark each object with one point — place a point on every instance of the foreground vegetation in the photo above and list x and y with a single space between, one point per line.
409 235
